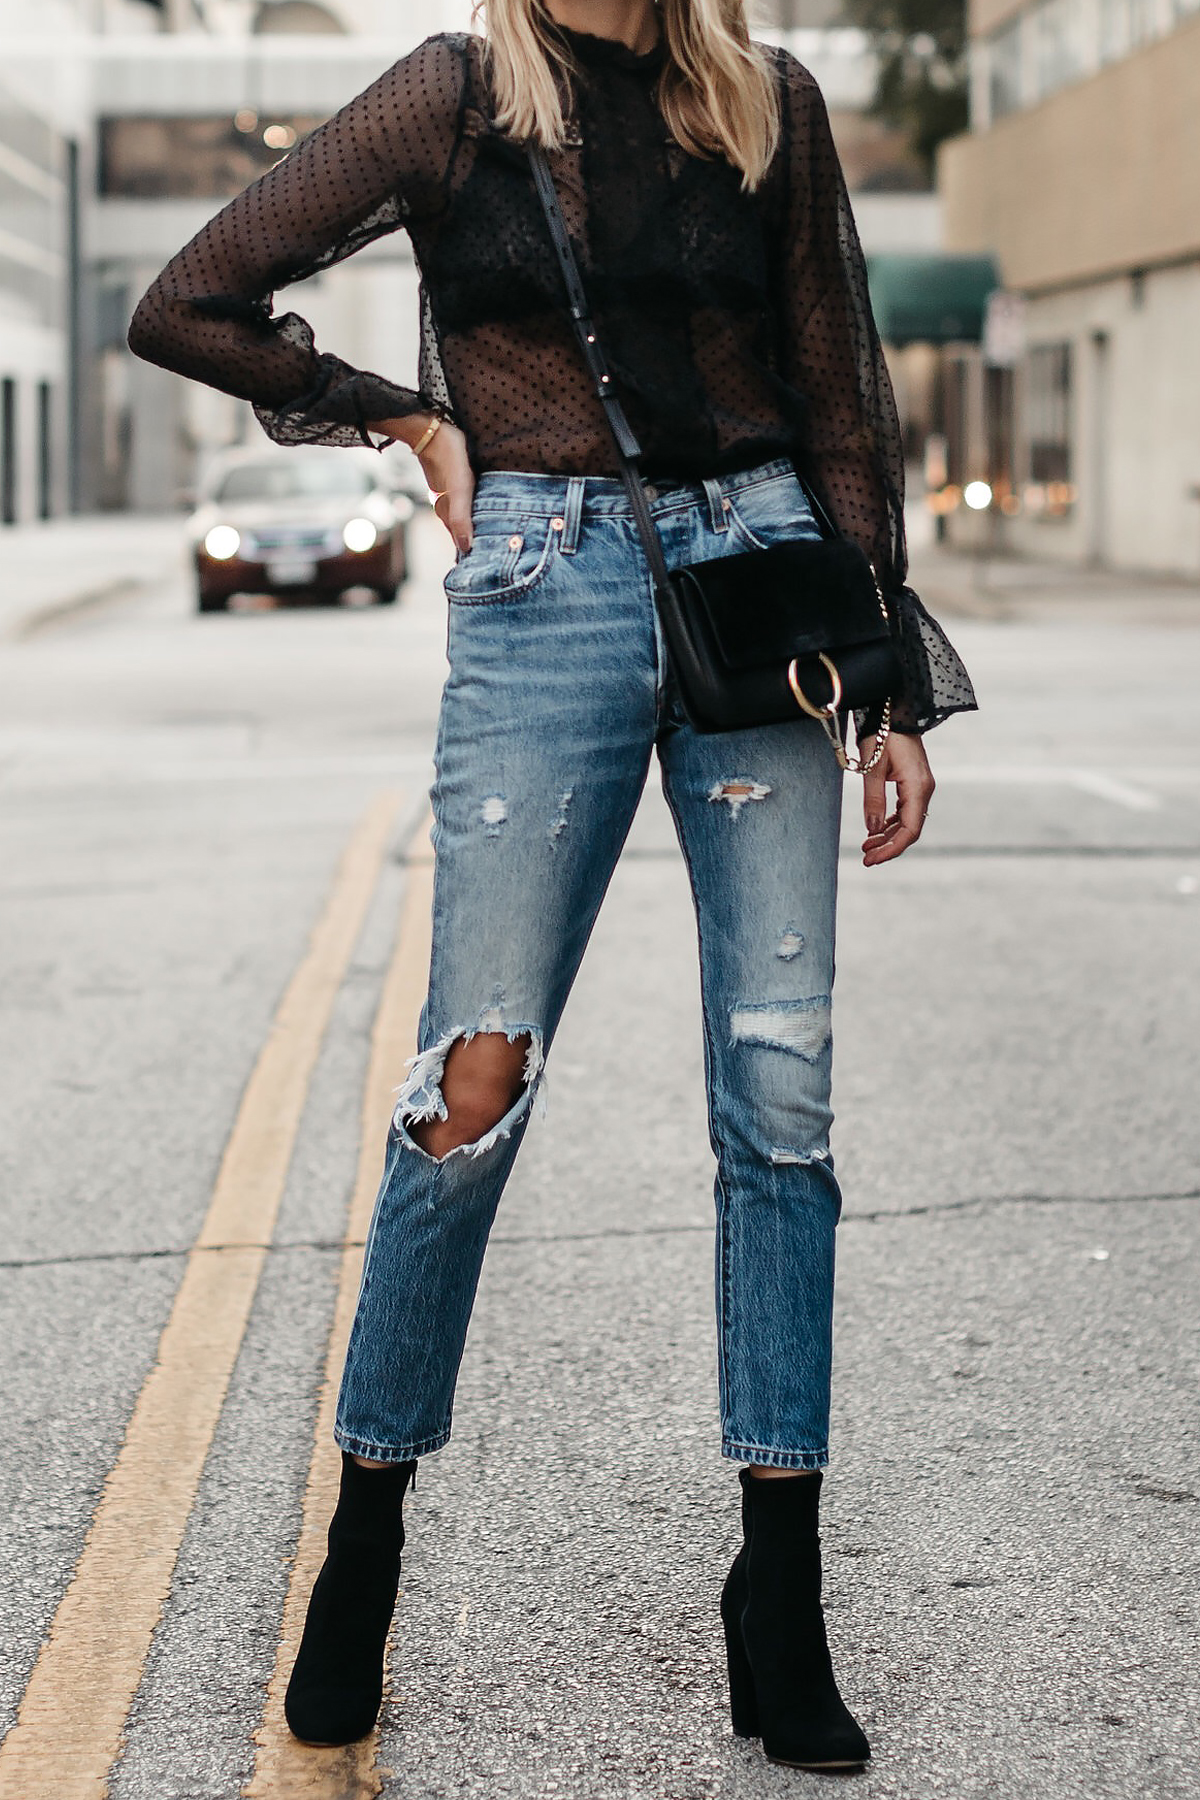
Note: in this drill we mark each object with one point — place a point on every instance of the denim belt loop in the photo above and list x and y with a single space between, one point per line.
572 515
716 503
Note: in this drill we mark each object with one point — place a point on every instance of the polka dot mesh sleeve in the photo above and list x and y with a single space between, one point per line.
854 452
378 164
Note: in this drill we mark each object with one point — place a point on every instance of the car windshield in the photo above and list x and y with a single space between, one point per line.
327 478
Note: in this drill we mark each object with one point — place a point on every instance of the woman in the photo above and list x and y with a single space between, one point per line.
706 205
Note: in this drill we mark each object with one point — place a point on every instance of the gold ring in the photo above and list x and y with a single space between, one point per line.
802 699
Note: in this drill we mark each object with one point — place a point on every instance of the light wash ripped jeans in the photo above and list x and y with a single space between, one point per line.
555 700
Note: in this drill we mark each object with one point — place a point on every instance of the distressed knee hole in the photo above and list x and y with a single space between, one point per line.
471 1088
800 1026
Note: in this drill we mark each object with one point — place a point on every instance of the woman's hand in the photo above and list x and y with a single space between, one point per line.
446 467
905 764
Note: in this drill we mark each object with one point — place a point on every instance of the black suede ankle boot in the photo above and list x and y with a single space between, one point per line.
336 1687
781 1683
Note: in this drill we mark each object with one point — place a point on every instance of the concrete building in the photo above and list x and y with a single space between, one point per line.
1081 177
39 200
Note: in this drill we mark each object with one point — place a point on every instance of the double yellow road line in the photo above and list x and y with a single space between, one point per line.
71 1722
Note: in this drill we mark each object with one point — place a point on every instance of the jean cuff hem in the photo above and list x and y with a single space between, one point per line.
389 1453
776 1459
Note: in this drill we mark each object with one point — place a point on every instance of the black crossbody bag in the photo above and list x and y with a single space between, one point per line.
753 637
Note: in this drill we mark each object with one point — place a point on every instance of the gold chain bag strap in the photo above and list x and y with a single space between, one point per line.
753 636
827 715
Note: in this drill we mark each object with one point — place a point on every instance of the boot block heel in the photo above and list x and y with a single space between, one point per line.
743 1706
743 1702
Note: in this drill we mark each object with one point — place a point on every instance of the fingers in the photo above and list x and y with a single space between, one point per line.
902 829
453 508
895 838
447 468
906 766
459 521
874 789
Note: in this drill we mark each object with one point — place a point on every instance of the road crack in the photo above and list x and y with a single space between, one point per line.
335 1246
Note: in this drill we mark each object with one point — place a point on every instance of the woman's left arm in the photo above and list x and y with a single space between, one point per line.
830 349
831 355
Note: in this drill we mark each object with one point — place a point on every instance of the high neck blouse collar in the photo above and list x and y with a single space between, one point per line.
609 53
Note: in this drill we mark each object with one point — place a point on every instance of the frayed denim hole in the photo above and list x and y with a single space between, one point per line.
420 1097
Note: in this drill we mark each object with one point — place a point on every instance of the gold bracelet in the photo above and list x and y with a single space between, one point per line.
426 437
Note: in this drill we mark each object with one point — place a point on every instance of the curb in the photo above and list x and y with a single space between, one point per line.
53 610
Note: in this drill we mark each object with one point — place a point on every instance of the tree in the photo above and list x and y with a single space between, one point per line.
921 84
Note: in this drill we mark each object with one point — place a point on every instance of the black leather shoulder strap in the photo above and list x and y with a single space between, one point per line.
627 446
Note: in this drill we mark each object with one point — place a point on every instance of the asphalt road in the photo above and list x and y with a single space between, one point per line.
1012 1522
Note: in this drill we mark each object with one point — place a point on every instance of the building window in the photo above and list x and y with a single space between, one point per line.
1048 385
1059 52
1004 71
193 159
999 417
8 451
45 450
1143 21
955 417
1114 29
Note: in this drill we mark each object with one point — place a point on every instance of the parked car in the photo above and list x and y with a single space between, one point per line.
303 524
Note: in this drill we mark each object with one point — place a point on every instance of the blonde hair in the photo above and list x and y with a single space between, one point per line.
716 90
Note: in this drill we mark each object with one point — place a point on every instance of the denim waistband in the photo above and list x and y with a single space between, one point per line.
498 490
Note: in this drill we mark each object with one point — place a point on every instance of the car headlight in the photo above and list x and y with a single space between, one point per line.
359 534
223 542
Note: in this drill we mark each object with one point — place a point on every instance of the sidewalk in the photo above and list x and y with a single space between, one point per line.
1002 588
58 565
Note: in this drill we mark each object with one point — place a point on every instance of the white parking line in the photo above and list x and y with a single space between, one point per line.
1088 781
1119 792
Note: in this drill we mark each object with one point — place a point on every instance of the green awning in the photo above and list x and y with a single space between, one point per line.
931 299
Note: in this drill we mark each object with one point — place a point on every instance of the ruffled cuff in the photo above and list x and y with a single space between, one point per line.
340 406
341 403
934 681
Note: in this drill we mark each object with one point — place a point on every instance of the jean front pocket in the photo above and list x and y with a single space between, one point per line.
508 556
772 511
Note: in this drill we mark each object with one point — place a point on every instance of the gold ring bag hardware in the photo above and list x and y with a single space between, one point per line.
763 636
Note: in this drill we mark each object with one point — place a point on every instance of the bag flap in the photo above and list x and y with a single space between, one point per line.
791 599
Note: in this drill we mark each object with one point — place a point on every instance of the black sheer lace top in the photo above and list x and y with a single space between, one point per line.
737 325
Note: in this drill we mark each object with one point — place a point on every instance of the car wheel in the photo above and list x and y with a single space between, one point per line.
206 602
